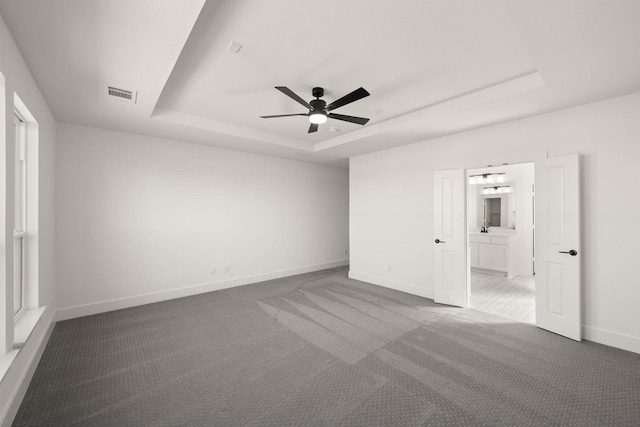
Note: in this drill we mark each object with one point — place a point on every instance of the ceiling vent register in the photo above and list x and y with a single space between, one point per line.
125 95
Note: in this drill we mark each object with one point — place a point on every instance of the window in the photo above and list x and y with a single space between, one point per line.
20 220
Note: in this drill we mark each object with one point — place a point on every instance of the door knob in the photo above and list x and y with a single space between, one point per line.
440 241
572 252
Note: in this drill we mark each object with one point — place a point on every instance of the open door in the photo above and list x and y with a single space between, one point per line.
450 263
557 245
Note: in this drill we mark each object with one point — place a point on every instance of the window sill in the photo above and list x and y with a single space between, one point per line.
5 362
25 324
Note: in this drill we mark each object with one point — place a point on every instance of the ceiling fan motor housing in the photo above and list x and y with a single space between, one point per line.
318 92
317 104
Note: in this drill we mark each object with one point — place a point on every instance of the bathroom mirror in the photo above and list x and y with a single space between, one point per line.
493 211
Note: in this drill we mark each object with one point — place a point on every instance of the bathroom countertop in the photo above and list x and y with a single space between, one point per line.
493 233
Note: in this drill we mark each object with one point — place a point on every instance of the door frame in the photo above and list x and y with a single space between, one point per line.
466 225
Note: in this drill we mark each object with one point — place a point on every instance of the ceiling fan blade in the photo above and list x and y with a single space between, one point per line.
283 115
352 119
293 96
313 127
349 98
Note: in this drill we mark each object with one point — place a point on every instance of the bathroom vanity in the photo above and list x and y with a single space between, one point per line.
490 252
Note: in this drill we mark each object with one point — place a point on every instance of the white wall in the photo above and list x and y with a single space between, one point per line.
141 218
18 79
391 205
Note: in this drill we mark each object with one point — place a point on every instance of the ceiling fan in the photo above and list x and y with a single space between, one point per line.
319 111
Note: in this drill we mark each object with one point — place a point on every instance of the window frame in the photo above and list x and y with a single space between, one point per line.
20 215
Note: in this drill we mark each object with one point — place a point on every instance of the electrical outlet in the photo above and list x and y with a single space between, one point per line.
228 268
213 271
389 269
346 251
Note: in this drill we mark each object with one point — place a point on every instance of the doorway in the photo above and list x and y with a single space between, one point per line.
557 241
500 227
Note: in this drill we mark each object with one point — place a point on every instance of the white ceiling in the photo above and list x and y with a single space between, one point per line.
432 67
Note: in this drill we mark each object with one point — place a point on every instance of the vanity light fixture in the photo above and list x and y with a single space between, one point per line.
500 189
486 178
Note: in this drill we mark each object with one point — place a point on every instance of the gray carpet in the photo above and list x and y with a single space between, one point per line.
320 349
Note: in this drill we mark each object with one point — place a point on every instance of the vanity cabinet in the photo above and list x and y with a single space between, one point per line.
490 252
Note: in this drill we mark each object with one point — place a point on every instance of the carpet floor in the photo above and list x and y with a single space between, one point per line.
320 349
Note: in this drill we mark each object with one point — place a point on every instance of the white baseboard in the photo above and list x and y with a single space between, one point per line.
398 286
16 382
613 339
120 303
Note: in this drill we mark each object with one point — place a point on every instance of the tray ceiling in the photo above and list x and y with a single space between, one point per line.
432 68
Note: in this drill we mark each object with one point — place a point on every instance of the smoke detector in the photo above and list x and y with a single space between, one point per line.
234 47
123 94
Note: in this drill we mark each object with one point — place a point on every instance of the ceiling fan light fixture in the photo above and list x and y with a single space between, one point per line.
318 117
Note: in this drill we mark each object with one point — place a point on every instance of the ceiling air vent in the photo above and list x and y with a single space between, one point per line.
125 95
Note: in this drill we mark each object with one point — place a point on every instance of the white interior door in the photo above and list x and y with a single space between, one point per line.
557 245
450 265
